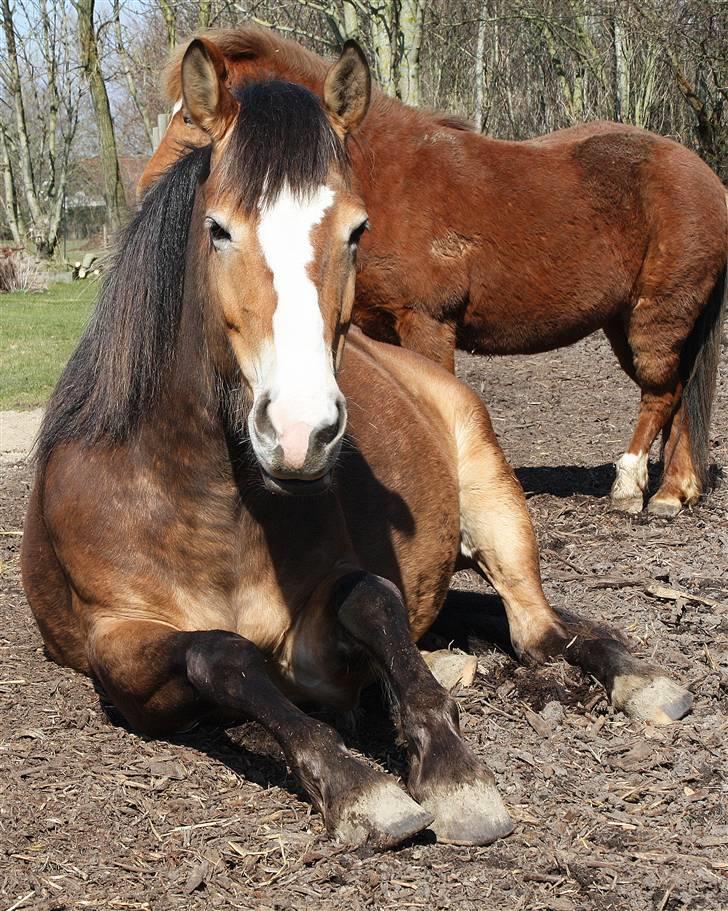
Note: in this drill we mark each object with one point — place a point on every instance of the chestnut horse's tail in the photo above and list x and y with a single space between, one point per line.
699 368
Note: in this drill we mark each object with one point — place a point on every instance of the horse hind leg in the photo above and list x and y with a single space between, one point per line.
162 680
685 450
680 485
498 539
674 336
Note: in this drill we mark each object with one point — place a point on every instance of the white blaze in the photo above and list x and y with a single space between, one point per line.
301 384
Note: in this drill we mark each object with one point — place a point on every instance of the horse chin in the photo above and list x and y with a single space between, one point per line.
297 487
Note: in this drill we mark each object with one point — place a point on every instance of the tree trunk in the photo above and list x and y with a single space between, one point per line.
13 215
113 189
622 105
351 20
204 14
26 164
170 22
479 114
411 33
381 44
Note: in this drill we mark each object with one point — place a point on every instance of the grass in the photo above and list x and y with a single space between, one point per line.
38 333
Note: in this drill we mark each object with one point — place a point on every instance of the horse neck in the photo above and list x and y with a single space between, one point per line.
187 415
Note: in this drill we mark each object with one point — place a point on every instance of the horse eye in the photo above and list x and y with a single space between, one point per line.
219 236
356 234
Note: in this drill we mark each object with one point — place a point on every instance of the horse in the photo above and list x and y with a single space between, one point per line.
520 247
243 507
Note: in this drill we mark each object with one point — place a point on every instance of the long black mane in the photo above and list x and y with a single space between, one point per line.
282 137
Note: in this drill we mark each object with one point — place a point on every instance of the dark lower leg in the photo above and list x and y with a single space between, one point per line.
635 686
215 671
445 776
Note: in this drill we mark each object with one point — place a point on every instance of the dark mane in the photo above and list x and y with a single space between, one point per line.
282 137
115 372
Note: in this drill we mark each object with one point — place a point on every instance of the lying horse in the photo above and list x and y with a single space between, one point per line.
169 548
519 247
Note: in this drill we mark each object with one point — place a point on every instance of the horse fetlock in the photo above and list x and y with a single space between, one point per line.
373 811
673 495
651 696
630 482
539 639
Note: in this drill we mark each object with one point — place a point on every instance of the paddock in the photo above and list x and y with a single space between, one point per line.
609 812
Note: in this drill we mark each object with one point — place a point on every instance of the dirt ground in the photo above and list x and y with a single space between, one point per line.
610 813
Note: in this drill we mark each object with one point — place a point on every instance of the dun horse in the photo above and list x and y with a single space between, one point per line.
519 247
169 548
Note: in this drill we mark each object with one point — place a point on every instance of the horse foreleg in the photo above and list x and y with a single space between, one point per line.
162 679
444 776
498 538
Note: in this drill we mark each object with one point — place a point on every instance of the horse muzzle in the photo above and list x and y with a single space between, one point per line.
296 456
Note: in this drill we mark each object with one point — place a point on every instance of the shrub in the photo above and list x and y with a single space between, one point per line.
18 271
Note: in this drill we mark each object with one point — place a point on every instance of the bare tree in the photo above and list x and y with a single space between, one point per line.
114 197
40 88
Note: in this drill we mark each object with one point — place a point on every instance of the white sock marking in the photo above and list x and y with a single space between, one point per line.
631 477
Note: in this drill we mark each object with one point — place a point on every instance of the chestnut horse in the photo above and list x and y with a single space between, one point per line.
169 550
520 247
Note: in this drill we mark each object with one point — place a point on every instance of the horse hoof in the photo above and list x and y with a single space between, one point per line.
382 817
655 699
632 505
468 814
664 509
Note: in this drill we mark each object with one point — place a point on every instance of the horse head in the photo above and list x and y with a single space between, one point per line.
278 225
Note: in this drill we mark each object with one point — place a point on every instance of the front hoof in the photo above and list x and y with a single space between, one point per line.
631 505
382 817
469 813
666 508
655 699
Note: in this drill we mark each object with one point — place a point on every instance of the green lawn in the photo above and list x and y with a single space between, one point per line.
38 332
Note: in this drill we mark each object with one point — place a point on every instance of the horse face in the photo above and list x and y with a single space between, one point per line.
281 263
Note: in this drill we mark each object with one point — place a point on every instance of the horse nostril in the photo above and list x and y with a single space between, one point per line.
261 419
328 433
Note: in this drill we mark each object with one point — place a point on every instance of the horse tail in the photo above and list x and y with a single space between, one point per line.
699 369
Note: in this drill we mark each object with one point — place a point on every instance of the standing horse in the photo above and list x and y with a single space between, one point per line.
520 247
169 548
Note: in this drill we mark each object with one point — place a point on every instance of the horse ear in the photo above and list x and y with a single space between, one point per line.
206 97
348 89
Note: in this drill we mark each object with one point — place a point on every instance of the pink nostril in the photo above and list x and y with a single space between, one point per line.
294 442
